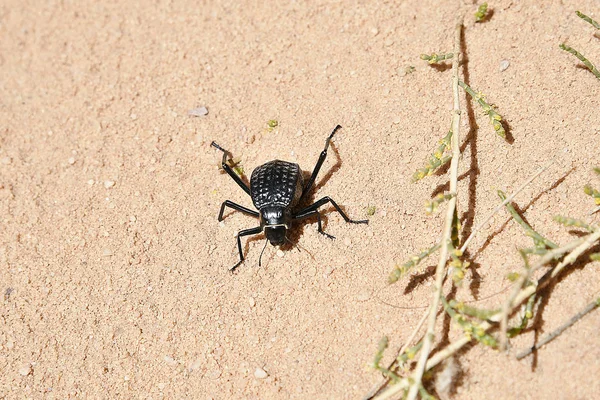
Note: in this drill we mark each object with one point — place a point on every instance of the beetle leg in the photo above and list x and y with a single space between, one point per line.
315 213
229 171
245 232
320 162
236 207
326 200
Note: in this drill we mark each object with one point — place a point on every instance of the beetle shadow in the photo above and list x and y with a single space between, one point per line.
299 225
334 168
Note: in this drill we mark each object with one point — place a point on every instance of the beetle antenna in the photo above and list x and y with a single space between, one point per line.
261 253
300 247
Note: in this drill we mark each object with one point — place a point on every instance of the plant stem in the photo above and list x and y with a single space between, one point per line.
489 110
505 202
576 248
529 231
588 19
446 237
377 388
548 338
581 58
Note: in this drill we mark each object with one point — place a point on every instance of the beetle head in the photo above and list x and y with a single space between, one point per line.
275 221
275 234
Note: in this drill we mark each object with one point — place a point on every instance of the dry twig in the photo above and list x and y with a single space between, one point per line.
377 388
448 225
551 336
576 248
505 202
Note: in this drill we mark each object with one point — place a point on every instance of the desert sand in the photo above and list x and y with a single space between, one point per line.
114 268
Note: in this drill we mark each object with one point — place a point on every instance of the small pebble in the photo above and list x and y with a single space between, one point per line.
198 112
71 160
504 65
214 374
109 184
299 133
25 370
91 182
280 253
132 218
397 120
195 365
6 160
107 253
10 345
363 296
260 373
347 241
252 302
161 386
170 361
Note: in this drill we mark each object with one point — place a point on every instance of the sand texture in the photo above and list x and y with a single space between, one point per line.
114 269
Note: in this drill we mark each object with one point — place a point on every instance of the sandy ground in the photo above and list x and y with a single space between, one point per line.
114 269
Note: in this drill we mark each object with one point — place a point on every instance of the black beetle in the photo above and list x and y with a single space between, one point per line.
276 189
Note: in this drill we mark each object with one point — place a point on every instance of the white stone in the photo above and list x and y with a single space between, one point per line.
198 112
25 370
260 373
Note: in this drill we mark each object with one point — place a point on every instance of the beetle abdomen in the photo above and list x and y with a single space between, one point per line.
276 183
